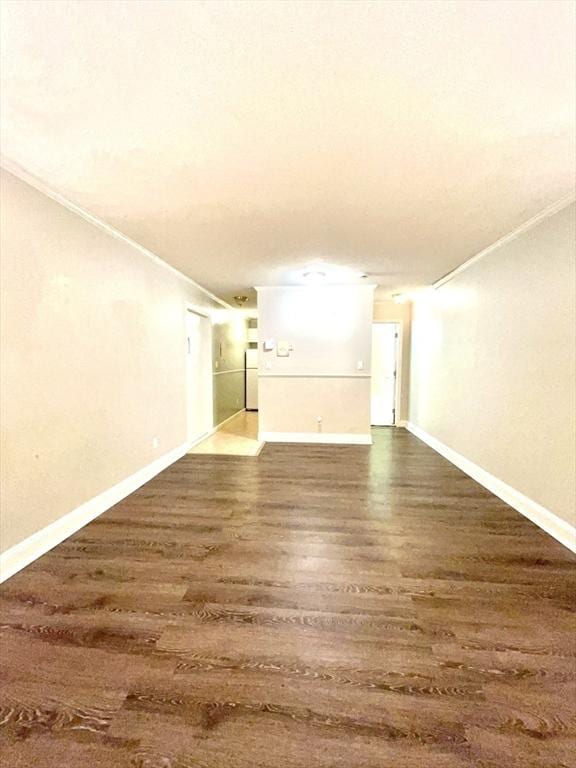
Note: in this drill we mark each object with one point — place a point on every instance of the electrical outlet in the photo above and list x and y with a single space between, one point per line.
155 442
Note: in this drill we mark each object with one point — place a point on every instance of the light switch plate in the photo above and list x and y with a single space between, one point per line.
283 349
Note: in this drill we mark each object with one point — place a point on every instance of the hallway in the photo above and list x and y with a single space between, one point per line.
314 607
237 437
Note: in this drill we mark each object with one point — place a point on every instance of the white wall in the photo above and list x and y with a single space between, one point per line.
493 363
330 329
93 360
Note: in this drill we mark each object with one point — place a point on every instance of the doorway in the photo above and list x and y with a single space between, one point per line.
198 375
385 338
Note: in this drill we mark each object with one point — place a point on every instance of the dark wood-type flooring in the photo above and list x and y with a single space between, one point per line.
314 607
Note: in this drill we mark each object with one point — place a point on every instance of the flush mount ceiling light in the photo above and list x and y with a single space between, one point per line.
334 275
240 300
314 276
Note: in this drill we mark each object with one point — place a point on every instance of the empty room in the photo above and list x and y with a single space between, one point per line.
288 384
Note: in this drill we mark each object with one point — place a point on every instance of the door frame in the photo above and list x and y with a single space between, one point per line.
398 383
207 334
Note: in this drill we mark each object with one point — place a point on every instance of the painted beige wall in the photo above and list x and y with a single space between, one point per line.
330 328
392 312
93 360
293 404
494 363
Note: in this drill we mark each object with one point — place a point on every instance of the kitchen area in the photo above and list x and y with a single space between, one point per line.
236 435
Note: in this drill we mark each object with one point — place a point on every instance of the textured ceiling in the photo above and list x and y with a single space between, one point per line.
243 141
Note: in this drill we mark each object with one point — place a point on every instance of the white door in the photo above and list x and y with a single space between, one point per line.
384 361
198 375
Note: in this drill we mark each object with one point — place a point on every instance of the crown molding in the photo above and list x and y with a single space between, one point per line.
545 213
28 178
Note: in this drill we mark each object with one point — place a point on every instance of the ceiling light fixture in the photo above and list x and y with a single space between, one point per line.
314 276
240 300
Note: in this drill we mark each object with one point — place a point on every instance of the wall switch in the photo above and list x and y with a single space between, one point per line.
155 442
268 366
283 349
269 345
360 365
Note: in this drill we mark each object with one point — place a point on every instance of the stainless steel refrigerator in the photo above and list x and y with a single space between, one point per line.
251 379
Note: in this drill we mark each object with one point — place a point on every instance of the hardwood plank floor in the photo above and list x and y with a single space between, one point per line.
313 607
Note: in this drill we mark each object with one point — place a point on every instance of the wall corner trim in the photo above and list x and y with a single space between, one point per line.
327 438
25 552
555 526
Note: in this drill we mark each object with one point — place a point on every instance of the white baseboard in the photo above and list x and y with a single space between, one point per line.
24 553
219 426
213 431
331 438
402 423
561 530
201 438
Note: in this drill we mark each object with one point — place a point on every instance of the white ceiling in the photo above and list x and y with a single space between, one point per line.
243 141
